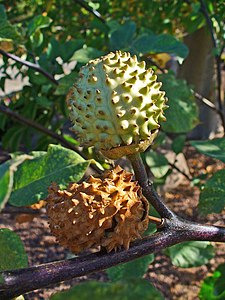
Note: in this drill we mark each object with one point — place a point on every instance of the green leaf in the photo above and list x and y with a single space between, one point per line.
65 83
213 287
152 43
178 143
12 253
182 114
132 290
134 269
7 31
212 198
157 163
33 177
122 37
85 54
213 148
191 254
7 170
37 23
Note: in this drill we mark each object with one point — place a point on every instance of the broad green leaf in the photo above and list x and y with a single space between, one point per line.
152 43
212 198
182 114
133 269
131 290
122 37
213 287
157 163
7 31
191 254
178 143
7 171
37 23
214 148
33 177
12 253
85 54
65 84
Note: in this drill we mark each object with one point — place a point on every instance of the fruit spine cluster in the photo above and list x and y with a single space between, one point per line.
109 212
116 102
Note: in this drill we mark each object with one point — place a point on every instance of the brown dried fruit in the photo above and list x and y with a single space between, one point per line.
109 212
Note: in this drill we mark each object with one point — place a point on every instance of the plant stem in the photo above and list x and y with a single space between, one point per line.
147 187
17 282
31 65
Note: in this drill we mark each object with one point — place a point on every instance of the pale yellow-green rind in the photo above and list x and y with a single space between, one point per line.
116 102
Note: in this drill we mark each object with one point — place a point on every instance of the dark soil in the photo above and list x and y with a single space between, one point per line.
175 283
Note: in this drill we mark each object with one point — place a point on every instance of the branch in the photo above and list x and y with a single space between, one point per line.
39 127
91 10
147 187
35 125
17 282
36 67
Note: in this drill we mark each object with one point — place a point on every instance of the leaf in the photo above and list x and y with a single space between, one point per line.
212 198
65 83
178 143
85 54
37 23
7 31
12 253
157 163
213 287
191 254
132 290
7 170
134 269
182 114
152 43
33 177
122 37
214 148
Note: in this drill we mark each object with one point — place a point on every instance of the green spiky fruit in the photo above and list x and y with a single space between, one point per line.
116 105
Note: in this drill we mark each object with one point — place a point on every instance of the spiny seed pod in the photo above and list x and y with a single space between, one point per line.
109 212
116 105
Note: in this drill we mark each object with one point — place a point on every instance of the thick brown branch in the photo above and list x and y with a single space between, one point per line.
31 65
16 282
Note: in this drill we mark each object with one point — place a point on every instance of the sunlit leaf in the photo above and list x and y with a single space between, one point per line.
157 163
191 254
213 287
33 177
214 148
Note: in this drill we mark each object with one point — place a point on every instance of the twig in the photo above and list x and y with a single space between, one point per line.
30 65
17 282
205 13
147 187
39 127
91 10
46 131
180 171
